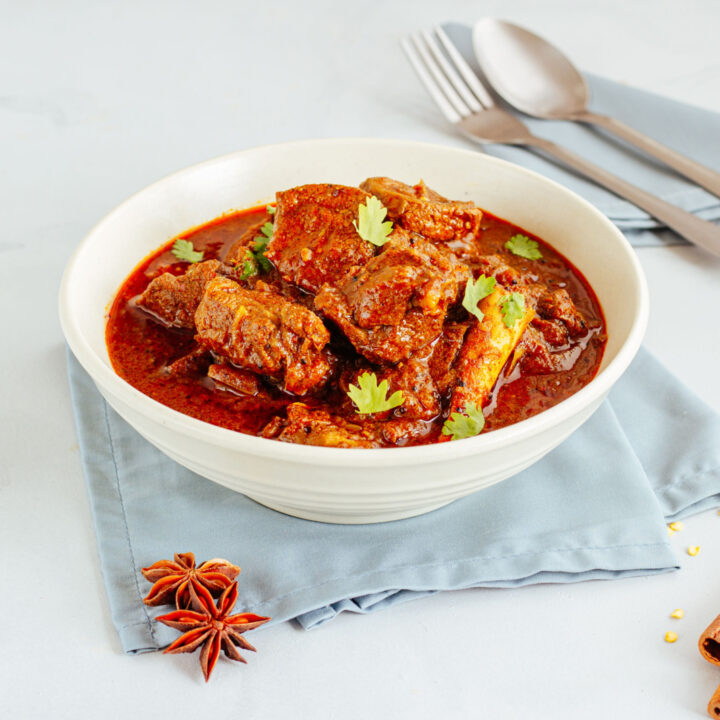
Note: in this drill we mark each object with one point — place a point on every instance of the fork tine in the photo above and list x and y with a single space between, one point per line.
435 93
450 72
465 70
454 99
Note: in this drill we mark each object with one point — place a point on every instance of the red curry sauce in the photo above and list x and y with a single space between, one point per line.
141 348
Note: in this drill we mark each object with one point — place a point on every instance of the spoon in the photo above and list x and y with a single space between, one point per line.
536 78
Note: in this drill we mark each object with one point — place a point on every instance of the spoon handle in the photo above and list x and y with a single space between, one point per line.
699 174
700 232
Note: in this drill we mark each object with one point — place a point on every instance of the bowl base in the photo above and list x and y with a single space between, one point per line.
351 518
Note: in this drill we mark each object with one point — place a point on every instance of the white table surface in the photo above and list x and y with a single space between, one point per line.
99 99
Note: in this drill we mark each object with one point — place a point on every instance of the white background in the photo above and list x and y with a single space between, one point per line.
99 99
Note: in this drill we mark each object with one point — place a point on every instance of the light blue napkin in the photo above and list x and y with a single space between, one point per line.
687 129
593 508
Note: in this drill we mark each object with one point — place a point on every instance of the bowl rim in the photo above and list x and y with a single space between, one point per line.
329 456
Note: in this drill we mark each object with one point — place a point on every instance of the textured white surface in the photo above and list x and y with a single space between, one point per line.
98 100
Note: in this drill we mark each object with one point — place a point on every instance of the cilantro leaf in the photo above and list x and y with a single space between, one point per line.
250 265
466 424
370 397
270 209
475 291
259 246
512 309
263 262
371 226
183 250
523 246
257 252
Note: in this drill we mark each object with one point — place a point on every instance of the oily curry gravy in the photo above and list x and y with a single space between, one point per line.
374 316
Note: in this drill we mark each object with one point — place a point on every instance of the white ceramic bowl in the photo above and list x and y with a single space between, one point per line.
335 484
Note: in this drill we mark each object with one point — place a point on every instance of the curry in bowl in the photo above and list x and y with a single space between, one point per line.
382 315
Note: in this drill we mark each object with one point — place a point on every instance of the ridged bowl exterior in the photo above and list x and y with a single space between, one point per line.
333 484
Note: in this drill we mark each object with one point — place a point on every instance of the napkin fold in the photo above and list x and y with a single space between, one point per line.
594 508
690 130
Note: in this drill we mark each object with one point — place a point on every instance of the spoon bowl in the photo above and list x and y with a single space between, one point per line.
528 72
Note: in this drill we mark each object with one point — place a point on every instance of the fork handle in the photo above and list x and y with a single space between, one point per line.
699 174
700 232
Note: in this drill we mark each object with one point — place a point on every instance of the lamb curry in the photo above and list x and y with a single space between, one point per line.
375 316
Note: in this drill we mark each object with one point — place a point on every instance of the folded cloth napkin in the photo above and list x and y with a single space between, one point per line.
690 130
595 507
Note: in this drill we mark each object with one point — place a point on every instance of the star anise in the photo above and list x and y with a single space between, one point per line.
172 580
212 627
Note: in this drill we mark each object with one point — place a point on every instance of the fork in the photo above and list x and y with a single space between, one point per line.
469 106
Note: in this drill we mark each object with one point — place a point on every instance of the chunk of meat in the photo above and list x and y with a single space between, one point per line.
397 302
384 343
195 362
421 399
536 358
558 305
314 240
410 272
495 266
242 382
265 333
421 210
442 362
402 432
553 331
311 426
175 298
421 190
273 428
487 347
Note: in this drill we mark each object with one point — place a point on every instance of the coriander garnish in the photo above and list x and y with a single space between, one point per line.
250 265
255 259
475 291
183 250
512 309
260 244
370 225
523 246
370 397
468 423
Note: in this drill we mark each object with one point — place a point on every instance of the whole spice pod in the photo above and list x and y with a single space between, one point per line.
211 627
172 579
709 644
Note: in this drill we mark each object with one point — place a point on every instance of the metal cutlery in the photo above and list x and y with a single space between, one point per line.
468 105
534 77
